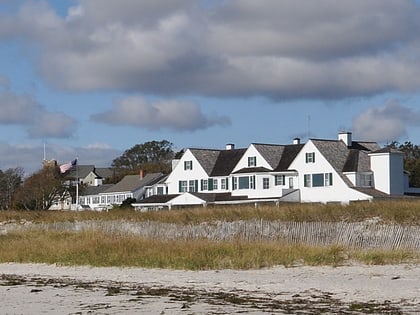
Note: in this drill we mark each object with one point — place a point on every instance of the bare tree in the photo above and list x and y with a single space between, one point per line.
40 190
10 180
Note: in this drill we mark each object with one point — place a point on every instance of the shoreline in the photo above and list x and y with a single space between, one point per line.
390 286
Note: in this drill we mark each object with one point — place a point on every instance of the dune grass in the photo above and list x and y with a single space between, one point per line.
403 211
96 248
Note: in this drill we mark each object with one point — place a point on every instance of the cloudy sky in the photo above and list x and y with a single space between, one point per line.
92 78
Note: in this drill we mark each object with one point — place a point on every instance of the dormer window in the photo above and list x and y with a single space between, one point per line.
187 165
252 161
310 157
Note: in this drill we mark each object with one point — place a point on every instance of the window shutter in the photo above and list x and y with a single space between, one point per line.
210 184
179 186
227 183
196 185
313 157
201 185
331 182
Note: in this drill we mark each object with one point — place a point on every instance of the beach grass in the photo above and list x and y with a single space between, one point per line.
401 211
96 248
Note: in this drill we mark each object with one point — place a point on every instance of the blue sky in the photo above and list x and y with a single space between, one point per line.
92 78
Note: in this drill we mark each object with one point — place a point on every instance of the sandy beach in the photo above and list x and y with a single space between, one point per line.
358 289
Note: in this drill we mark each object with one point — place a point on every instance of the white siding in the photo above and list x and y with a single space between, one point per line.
179 173
337 192
388 172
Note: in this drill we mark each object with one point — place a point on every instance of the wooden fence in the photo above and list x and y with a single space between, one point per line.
351 234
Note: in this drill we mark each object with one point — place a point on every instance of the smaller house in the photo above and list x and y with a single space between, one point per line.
131 186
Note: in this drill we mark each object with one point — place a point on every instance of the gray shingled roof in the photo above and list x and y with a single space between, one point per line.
134 182
218 162
104 172
270 152
226 162
346 159
206 157
94 190
80 171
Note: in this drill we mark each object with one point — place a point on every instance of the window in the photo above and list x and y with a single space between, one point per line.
310 157
159 190
223 182
252 161
183 186
318 180
280 180
192 186
365 180
187 165
307 180
266 183
204 184
215 184
244 182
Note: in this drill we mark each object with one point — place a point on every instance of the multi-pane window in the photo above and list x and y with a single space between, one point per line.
159 190
252 161
266 183
280 180
215 184
191 186
365 180
244 182
183 185
187 165
223 183
318 180
310 157
205 184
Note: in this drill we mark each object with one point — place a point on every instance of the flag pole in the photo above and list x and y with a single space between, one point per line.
77 183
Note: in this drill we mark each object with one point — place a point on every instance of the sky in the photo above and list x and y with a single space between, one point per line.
92 78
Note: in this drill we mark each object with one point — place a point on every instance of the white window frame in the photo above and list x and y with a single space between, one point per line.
252 161
266 183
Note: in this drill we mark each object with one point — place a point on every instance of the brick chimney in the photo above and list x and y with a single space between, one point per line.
141 174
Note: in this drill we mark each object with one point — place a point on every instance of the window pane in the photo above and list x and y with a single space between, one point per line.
244 182
317 180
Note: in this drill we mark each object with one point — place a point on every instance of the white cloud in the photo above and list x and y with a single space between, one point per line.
169 114
281 49
385 123
24 111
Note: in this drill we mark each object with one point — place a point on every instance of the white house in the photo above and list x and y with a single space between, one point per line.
103 197
339 170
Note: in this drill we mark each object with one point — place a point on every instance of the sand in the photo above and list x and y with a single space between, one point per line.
356 289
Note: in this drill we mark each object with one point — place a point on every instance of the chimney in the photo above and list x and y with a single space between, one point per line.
345 136
230 146
296 141
141 174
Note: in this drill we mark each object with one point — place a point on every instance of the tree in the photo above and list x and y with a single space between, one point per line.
152 156
41 189
10 180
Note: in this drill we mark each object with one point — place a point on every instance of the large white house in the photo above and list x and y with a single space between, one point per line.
340 170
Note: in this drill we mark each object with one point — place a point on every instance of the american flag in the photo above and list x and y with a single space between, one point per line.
65 167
